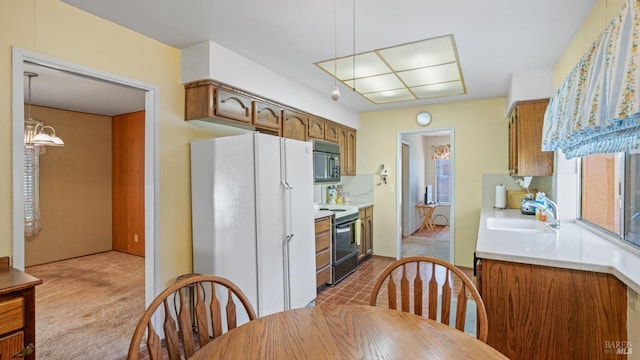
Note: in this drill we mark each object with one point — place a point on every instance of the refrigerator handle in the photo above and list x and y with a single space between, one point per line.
288 225
286 272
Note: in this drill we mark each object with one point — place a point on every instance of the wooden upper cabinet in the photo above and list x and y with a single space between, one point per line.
233 106
316 128
199 100
525 140
294 125
267 115
351 152
331 132
342 141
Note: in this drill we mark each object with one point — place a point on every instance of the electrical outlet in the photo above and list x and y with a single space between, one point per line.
135 237
391 188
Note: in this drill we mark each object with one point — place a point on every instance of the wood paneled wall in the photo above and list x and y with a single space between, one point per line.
128 183
75 188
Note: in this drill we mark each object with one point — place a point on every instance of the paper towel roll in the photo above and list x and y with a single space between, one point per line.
501 197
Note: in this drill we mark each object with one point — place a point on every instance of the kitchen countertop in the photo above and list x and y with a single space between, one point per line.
574 246
318 214
322 213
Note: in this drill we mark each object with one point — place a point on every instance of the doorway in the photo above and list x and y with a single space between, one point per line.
151 171
425 163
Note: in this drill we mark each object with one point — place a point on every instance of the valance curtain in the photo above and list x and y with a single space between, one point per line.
440 152
597 107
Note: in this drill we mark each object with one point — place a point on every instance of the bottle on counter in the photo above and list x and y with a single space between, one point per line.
339 196
541 200
331 194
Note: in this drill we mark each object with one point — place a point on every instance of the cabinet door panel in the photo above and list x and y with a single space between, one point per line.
316 128
266 115
331 132
231 105
294 125
351 152
526 157
541 312
342 141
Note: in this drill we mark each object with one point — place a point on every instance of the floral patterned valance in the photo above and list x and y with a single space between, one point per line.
597 107
440 152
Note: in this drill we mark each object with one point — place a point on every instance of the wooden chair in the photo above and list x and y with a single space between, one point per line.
422 281
214 303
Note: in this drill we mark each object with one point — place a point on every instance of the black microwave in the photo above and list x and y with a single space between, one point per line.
326 162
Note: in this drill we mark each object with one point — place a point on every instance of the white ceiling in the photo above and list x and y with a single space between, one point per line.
494 38
59 89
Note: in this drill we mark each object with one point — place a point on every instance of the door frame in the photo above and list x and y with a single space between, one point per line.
399 193
405 148
151 157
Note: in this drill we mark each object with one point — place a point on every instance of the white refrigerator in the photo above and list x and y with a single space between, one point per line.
252 217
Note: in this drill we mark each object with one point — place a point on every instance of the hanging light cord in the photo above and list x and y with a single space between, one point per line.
30 75
335 42
354 45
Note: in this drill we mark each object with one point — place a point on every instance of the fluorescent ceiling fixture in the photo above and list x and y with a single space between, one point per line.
419 70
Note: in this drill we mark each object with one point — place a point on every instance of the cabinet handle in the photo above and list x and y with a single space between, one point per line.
26 351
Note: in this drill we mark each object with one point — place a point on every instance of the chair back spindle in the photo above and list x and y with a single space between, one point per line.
405 278
191 316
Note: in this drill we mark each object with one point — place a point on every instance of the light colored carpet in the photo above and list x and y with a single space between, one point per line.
88 307
435 244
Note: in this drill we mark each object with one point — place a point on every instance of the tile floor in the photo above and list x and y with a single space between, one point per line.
356 288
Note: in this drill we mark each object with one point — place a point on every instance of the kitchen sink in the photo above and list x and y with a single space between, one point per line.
517 225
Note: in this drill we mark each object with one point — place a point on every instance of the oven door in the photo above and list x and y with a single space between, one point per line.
344 257
345 243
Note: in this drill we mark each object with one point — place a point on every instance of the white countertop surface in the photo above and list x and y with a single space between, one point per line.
318 214
574 246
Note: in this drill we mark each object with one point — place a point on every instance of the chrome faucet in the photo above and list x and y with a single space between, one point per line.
555 216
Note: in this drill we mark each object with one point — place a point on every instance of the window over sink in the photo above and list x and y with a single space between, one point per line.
610 194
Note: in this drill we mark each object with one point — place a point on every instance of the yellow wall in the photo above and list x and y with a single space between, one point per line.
55 29
480 147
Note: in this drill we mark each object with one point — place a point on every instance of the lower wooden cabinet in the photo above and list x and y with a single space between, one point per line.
543 312
17 314
323 250
366 233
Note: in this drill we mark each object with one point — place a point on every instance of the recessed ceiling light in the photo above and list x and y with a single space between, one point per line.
419 70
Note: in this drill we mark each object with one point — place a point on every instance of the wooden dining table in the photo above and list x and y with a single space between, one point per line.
345 332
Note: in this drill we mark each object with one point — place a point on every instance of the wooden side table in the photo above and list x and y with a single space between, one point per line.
17 313
426 214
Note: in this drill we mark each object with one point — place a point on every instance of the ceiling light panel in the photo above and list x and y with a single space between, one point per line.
377 83
439 90
390 96
430 75
420 54
367 64
427 68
